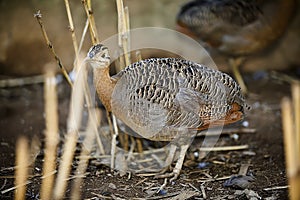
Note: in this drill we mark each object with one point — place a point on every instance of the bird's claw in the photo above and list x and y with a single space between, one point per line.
173 175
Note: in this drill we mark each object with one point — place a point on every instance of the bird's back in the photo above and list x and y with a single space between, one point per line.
157 97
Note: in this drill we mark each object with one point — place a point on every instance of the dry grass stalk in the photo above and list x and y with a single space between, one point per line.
290 148
65 165
87 145
212 132
86 26
38 16
296 102
124 43
21 173
123 60
51 137
225 148
126 37
74 40
74 121
92 25
123 32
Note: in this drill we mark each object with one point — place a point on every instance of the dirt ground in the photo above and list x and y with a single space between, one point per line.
22 114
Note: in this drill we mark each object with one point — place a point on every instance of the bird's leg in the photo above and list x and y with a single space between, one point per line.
235 63
169 160
176 171
183 140
179 163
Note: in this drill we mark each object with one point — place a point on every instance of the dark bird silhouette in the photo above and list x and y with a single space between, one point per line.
236 28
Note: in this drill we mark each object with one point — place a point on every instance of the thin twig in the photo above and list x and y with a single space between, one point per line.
86 26
226 148
213 132
38 16
203 191
276 188
74 40
16 187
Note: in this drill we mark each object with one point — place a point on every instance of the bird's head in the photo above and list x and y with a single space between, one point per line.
98 56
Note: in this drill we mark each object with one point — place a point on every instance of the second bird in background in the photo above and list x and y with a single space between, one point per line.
236 28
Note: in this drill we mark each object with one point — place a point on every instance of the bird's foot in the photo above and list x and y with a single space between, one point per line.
176 171
172 175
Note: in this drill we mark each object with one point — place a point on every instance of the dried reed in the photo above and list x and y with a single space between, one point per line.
92 25
291 146
88 143
21 173
74 40
51 135
296 104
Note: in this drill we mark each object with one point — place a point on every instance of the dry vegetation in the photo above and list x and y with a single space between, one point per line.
63 175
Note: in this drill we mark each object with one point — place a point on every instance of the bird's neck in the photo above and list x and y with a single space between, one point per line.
104 86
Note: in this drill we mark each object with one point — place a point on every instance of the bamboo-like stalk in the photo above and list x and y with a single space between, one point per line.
51 137
123 41
92 25
73 34
87 145
296 103
21 173
290 148
74 121
65 165
38 16
126 37
123 31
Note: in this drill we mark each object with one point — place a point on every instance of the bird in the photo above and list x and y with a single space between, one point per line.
166 99
236 28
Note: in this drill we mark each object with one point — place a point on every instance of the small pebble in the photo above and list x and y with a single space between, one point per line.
112 186
202 165
163 192
196 154
235 136
245 123
249 153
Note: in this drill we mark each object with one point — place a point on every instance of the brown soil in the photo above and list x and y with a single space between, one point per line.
22 114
